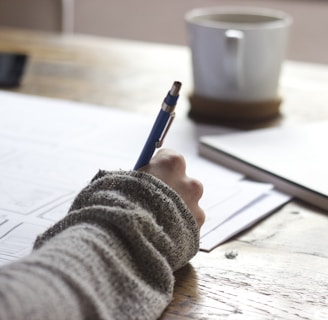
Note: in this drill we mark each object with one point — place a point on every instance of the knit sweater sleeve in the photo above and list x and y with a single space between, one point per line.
112 257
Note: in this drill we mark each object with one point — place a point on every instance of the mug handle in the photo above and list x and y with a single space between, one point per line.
234 56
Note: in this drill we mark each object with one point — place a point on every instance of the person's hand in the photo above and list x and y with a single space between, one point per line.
170 167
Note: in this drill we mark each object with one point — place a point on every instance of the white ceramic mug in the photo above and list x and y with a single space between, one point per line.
237 52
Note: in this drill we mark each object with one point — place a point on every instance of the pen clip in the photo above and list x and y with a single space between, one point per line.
159 143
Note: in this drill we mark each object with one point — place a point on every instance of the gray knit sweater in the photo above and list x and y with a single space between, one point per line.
112 257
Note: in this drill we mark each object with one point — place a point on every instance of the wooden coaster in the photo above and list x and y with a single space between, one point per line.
211 110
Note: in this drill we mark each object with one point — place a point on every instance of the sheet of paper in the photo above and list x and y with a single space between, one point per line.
229 199
243 219
17 235
50 149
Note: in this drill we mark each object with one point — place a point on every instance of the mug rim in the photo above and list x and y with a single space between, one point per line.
283 19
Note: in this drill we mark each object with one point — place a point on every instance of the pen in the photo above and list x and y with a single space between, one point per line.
161 126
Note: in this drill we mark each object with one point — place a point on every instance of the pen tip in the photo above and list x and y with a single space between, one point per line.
175 88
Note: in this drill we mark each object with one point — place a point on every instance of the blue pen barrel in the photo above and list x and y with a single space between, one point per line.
160 127
153 138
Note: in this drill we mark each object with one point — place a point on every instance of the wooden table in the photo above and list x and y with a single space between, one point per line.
276 270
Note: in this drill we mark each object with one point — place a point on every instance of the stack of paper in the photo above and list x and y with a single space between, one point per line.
50 149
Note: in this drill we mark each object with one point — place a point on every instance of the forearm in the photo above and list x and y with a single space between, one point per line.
102 261
93 282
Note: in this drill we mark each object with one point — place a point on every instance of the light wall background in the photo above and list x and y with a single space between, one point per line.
162 21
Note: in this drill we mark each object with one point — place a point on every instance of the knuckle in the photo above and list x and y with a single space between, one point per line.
200 218
196 188
176 162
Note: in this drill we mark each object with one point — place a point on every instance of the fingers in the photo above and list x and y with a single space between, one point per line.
167 163
199 215
170 167
193 192
193 188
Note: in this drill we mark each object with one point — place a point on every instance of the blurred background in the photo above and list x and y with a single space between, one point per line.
161 21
